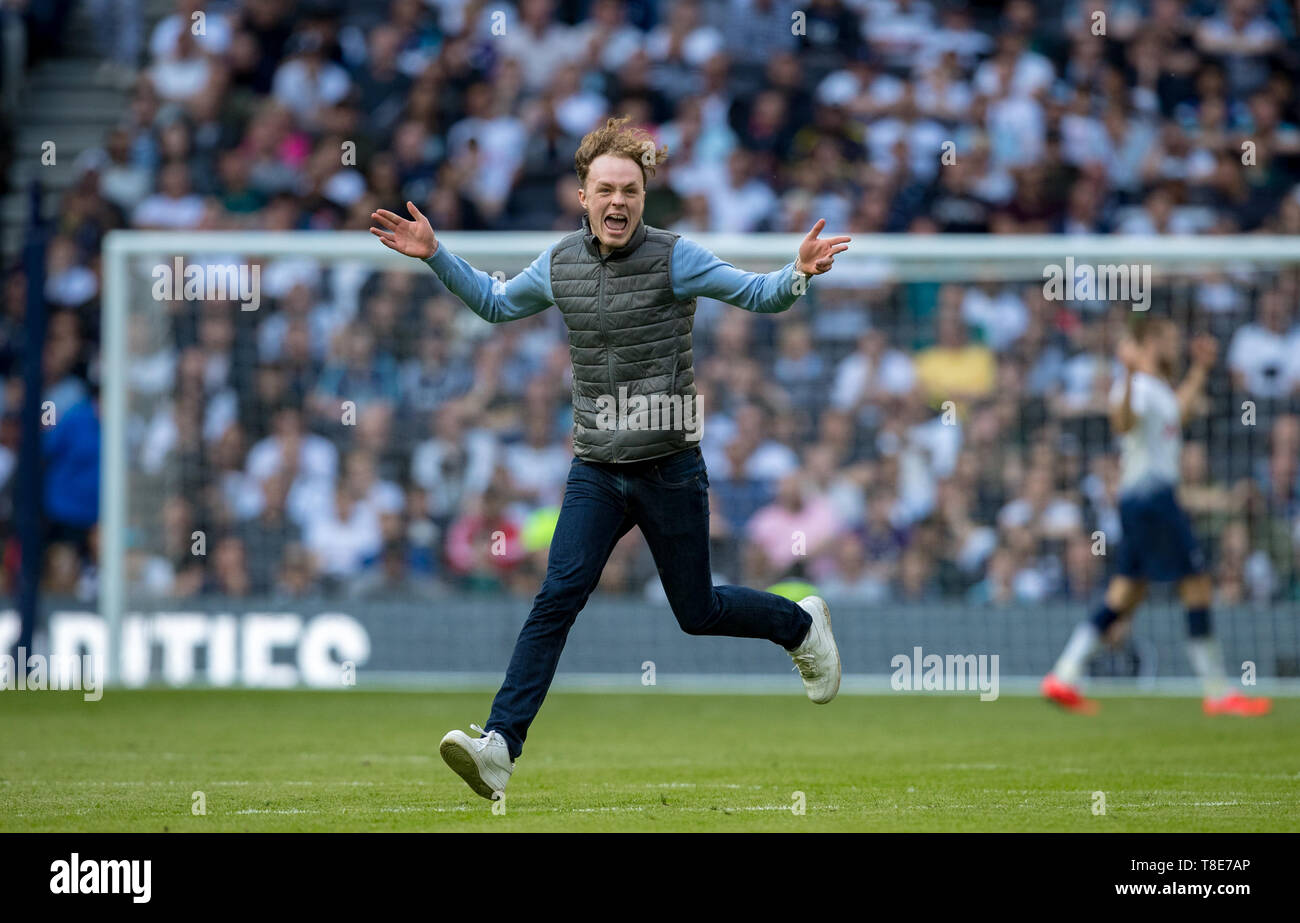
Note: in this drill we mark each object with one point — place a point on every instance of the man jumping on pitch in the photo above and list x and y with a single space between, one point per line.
1157 541
627 294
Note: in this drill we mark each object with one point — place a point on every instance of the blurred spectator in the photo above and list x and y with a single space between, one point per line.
872 375
230 569
538 43
483 544
174 205
343 534
266 537
799 367
290 448
954 369
308 81
71 499
796 528
856 577
1264 356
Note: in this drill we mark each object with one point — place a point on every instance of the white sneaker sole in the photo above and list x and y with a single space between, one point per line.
820 607
457 753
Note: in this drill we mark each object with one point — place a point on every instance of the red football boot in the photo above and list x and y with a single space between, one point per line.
1234 703
1067 696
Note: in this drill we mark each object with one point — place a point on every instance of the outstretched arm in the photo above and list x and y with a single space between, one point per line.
697 273
1123 416
496 302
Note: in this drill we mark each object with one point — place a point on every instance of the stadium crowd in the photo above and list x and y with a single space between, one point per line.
363 434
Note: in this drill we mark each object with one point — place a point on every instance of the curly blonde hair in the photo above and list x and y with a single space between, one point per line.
621 140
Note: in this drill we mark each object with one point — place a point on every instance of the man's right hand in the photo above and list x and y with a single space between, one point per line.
410 238
1129 354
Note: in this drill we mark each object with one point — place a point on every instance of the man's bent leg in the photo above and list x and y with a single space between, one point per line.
593 518
670 503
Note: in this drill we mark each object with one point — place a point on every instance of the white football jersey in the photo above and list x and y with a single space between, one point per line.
1149 452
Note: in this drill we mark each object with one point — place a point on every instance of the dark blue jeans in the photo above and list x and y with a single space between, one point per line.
668 499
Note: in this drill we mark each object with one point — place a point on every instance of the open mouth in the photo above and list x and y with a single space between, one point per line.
615 224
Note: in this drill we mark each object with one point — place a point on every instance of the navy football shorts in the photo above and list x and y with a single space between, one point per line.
1158 543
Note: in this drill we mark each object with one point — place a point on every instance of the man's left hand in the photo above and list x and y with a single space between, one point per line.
816 256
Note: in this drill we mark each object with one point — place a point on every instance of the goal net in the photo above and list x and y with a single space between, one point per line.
320 468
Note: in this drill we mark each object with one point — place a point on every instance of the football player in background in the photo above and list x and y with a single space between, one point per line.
1157 542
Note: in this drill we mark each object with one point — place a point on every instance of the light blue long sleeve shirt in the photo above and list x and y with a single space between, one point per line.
696 273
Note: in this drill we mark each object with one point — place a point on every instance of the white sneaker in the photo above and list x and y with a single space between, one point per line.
483 762
818 659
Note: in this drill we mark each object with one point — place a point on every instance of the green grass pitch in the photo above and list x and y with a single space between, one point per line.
642 761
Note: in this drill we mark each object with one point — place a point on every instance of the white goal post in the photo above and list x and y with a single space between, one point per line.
897 257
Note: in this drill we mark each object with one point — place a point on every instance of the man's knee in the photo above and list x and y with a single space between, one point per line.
559 602
697 615
1124 595
1196 592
